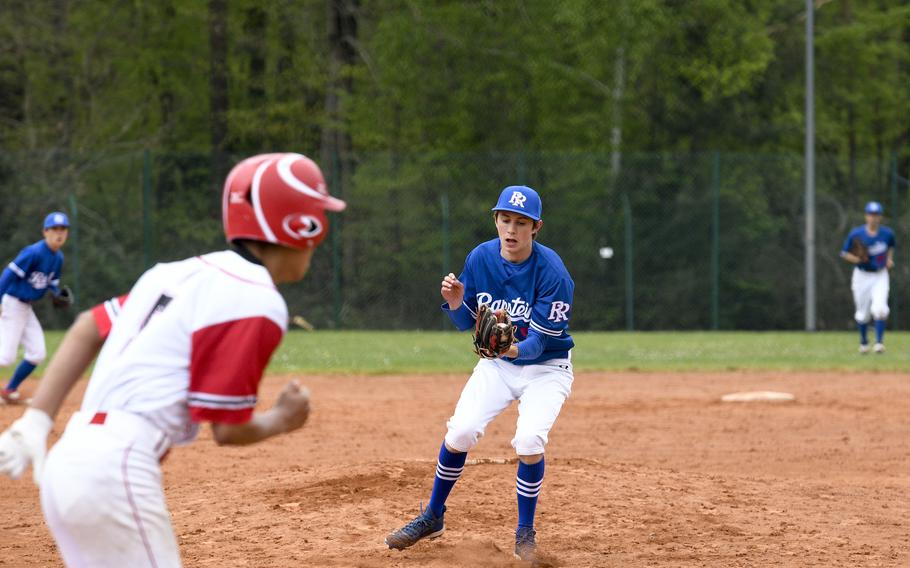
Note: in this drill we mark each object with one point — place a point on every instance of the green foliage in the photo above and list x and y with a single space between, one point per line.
456 100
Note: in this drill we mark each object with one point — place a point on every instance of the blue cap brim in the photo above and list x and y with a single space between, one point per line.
518 211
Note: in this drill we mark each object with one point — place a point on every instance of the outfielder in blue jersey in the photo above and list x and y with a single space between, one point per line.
870 282
516 273
25 280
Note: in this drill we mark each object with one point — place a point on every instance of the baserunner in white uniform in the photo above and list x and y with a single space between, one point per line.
189 345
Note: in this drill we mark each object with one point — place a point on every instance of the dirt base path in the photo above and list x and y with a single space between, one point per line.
643 469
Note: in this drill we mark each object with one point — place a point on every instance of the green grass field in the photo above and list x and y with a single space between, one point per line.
440 352
395 352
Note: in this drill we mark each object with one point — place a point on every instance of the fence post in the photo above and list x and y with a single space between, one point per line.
521 168
74 213
895 214
630 277
715 240
446 246
146 206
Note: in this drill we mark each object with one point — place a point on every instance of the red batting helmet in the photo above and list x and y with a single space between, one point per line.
277 198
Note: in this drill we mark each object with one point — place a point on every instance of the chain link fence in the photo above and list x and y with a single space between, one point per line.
661 242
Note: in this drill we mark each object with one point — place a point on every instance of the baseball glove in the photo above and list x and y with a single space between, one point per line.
493 332
859 250
64 299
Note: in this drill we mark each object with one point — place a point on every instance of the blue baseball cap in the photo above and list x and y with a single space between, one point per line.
874 208
520 199
56 219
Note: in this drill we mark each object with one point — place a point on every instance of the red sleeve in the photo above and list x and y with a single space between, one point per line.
105 313
226 365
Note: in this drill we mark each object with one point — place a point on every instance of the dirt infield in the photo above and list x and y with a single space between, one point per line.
643 469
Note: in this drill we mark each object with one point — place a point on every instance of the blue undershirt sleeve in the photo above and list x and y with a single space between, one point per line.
846 248
530 348
22 262
462 317
5 280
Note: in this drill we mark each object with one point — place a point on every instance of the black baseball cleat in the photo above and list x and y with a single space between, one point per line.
525 545
426 525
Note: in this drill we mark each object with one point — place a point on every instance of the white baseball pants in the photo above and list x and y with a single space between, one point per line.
870 294
18 324
540 391
102 496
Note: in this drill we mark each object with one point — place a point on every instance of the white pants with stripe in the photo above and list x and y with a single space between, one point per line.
540 391
870 294
102 496
18 324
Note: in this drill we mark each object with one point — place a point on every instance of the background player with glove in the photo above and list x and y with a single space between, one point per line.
25 280
188 346
871 248
511 279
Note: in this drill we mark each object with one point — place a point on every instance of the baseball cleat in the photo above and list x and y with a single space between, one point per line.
9 397
424 526
525 545
863 348
879 347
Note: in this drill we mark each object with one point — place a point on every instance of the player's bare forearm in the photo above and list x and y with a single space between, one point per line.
262 426
79 346
289 413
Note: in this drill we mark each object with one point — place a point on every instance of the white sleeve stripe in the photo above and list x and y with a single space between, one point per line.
537 327
110 311
222 397
55 282
196 403
18 271
205 400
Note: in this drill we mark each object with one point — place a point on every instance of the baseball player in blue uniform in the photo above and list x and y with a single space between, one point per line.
515 273
25 280
871 248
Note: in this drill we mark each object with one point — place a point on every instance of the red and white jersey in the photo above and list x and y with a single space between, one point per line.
190 345
106 313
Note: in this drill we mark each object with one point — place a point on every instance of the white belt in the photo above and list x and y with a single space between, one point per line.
126 426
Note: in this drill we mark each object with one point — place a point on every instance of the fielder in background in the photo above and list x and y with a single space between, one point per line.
189 345
529 281
871 248
25 280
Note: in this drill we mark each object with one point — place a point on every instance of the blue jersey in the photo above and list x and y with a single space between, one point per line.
877 246
537 293
36 269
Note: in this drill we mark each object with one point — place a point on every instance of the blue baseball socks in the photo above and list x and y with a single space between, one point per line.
450 465
22 371
879 330
863 333
448 469
527 486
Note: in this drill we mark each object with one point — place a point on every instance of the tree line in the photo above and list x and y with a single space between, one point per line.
404 102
